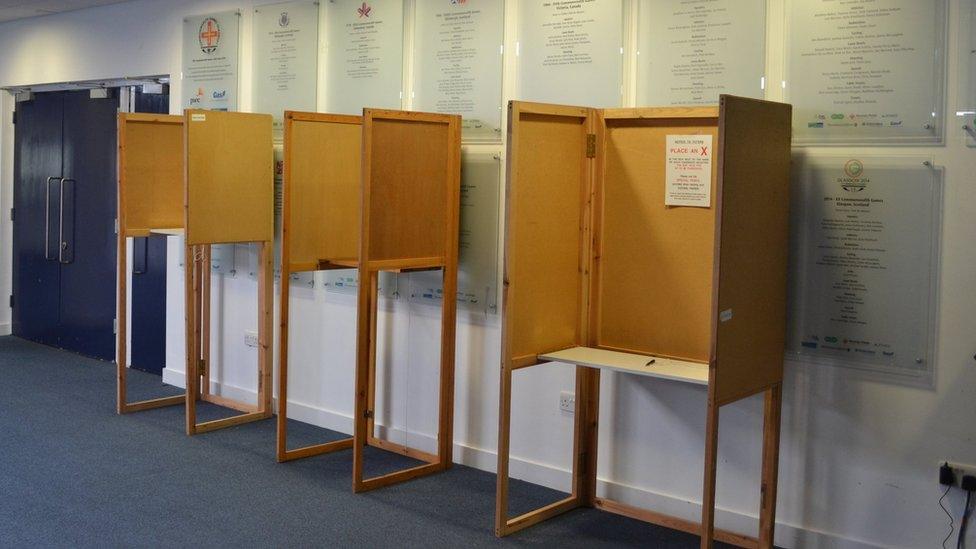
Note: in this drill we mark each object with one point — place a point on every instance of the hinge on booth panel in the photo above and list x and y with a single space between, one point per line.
11 301
115 325
591 145
13 214
116 225
368 414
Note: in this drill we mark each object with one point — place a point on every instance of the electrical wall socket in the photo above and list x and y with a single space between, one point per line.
567 402
960 470
250 338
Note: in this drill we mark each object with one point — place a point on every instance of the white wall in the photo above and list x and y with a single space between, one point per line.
859 456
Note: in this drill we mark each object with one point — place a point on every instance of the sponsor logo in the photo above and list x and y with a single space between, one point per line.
809 344
830 339
209 35
219 94
364 10
837 117
458 2
815 124
284 20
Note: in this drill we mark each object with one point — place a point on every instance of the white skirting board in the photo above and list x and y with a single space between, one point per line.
548 475
5 329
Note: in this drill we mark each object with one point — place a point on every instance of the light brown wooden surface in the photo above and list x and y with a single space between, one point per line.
755 155
654 263
408 162
150 171
544 253
229 177
323 156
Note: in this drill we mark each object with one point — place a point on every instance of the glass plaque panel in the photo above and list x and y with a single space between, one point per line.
865 252
211 53
571 52
866 72
966 109
458 63
346 281
690 51
478 242
364 59
285 58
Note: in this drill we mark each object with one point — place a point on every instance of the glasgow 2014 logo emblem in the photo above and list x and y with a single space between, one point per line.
284 20
853 182
209 35
364 10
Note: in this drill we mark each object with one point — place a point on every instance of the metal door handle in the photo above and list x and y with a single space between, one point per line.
47 217
63 243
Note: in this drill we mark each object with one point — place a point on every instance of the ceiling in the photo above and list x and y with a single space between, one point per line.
11 10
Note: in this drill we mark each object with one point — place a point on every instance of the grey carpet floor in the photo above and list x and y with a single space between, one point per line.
74 474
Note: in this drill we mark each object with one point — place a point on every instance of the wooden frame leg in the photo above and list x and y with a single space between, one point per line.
192 293
364 419
772 411
586 434
121 354
364 343
198 347
581 443
711 462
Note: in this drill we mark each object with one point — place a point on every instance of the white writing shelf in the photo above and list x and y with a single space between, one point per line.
629 363
169 232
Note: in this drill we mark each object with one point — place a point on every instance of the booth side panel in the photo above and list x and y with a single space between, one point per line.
546 199
750 318
230 177
654 263
324 191
409 165
153 174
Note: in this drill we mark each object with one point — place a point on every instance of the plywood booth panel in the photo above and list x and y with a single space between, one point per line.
150 172
548 184
412 179
755 156
653 263
322 187
229 177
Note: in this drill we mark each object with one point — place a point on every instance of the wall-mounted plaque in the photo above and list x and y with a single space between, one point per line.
478 242
966 107
211 54
364 60
571 52
691 51
865 250
285 58
866 72
458 63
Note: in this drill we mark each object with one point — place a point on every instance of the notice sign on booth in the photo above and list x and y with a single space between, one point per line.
689 171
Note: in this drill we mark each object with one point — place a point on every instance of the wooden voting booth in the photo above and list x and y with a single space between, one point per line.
228 198
600 273
150 200
377 193
206 175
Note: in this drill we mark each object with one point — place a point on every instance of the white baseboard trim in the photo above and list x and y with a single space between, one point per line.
552 476
5 329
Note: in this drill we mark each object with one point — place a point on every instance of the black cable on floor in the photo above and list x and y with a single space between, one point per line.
952 527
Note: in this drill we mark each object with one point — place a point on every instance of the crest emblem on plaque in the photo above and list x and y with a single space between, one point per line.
284 20
364 10
209 35
853 182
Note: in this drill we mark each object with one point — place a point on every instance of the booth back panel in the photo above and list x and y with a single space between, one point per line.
755 153
151 161
411 175
323 189
654 262
544 261
230 177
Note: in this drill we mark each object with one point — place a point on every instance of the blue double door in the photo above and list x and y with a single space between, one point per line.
64 229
